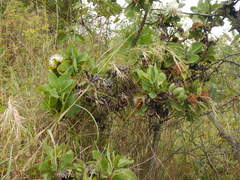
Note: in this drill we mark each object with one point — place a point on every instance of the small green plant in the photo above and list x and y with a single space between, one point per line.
178 92
58 163
107 165
152 81
70 63
190 54
73 61
58 92
63 69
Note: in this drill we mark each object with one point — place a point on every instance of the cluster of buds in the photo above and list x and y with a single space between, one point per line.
54 61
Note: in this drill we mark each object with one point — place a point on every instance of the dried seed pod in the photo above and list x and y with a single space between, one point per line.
90 99
175 70
192 98
162 110
151 112
144 60
197 67
64 174
124 69
139 100
106 83
196 25
164 96
180 29
163 37
123 100
204 96
103 100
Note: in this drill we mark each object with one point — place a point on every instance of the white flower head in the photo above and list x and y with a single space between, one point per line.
52 63
56 57
54 60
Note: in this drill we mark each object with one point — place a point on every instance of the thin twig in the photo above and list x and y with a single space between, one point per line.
198 14
231 62
224 59
230 139
135 40
230 55
222 105
188 13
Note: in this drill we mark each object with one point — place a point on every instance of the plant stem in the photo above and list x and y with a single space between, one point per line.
153 170
135 40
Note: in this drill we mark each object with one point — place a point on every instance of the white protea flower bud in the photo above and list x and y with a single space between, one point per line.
54 60
52 64
57 58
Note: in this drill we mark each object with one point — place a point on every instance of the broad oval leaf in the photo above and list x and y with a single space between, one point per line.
152 95
124 174
124 162
196 48
192 58
178 91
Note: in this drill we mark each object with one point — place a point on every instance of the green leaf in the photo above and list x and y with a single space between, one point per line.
64 67
142 75
85 176
104 165
45 167
161 77
152 95
176 106
124 174
172 87
78 37
211 54
124 162
178 90
116 160
96 155
74 110
48 90
62 37
146 36
236 39
182 96
213 89
194 9
65 84
53 80
67 160
146 85
54 93
131 11
196 48
50 103
203 7
75 64
192 58
151 73
177 48
215 6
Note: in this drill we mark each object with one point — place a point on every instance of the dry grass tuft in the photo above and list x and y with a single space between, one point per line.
11 120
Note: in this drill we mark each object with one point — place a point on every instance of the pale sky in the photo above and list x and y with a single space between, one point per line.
216 31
